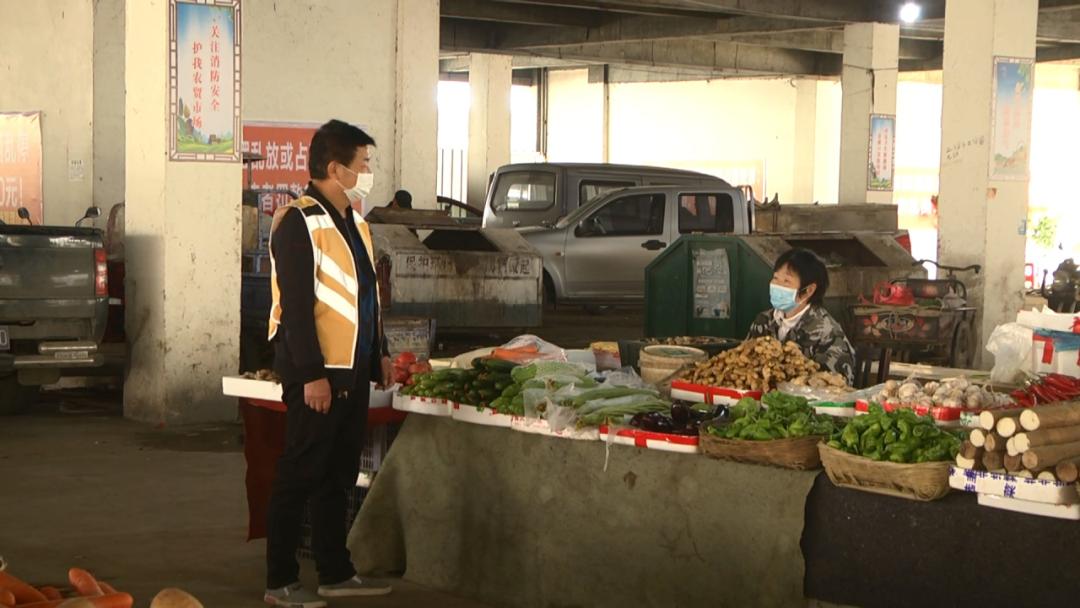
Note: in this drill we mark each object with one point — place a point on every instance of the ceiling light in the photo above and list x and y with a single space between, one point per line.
909 13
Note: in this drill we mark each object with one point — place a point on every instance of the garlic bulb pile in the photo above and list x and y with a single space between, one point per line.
950 392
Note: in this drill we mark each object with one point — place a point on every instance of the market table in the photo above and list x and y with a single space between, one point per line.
525 520
516 519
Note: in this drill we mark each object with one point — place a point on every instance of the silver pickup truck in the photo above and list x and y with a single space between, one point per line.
54 304
600 251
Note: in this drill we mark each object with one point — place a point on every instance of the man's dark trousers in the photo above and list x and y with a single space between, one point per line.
320 463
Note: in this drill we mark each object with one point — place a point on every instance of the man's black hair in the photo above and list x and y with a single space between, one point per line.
403 198
336 140
809 268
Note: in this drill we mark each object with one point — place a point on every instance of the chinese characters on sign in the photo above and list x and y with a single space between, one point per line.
20 166
1011 130
285 149
204 80
712 284
882 147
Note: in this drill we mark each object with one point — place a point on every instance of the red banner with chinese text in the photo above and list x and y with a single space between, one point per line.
285 146
20 166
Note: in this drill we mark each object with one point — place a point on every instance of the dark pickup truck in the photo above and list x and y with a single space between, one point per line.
54 304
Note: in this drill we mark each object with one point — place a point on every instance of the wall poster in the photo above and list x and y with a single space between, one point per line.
204 80
712 284
1010 138
882 152
20 166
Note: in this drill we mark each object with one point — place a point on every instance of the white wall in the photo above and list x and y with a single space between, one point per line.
46 52
827 143
313 60
708 125
575 118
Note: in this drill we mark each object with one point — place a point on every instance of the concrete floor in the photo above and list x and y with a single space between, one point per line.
142 508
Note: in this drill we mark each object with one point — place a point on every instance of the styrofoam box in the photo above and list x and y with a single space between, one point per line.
1008 486
486 416
713 395
540 426
422 405
962 479
238 386
691 393
535 426
654 441
1046 319
1031 508
845 411
943 416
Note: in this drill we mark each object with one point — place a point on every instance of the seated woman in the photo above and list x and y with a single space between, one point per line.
797 292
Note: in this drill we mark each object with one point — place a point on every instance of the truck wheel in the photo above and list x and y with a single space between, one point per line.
15 398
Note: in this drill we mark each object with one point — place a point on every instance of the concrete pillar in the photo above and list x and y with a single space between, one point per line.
981 215
805 141
416 124
182 246
108 185
489 121
871 59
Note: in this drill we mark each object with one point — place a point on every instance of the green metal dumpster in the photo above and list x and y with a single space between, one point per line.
715 285
705 286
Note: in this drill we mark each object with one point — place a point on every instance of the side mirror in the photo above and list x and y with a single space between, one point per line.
91 213
24 214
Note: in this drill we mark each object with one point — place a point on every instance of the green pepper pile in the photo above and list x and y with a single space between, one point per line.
900 436
480 386
786 416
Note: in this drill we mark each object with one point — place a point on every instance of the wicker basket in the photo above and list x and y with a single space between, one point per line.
923 481
796 453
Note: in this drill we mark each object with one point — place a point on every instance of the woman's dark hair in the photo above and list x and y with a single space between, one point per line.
809 268
336 140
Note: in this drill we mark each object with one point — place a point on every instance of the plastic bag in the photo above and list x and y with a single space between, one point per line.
624 377
829 395
1011 346
544 351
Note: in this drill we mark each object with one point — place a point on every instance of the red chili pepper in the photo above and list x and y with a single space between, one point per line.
1024 400
1041 393
1052 394
1059 383
1067 384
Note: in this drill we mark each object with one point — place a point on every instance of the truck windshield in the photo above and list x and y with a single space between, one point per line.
524 191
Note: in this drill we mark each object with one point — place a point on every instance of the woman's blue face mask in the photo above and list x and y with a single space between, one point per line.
784 299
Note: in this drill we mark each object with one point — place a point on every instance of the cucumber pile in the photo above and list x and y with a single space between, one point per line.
481 385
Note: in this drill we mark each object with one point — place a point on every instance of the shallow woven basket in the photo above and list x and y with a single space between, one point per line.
923 481
796 453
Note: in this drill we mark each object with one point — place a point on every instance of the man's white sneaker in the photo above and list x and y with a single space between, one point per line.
293 596
356 587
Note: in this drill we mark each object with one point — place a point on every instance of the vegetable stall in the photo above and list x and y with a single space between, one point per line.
560 512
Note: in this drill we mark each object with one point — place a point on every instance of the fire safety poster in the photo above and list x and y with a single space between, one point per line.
20 166
204 80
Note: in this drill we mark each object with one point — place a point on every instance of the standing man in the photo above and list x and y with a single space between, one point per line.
328 346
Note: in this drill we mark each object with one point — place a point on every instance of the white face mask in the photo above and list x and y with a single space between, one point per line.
364 183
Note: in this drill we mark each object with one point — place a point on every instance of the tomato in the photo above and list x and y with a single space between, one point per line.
404 359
